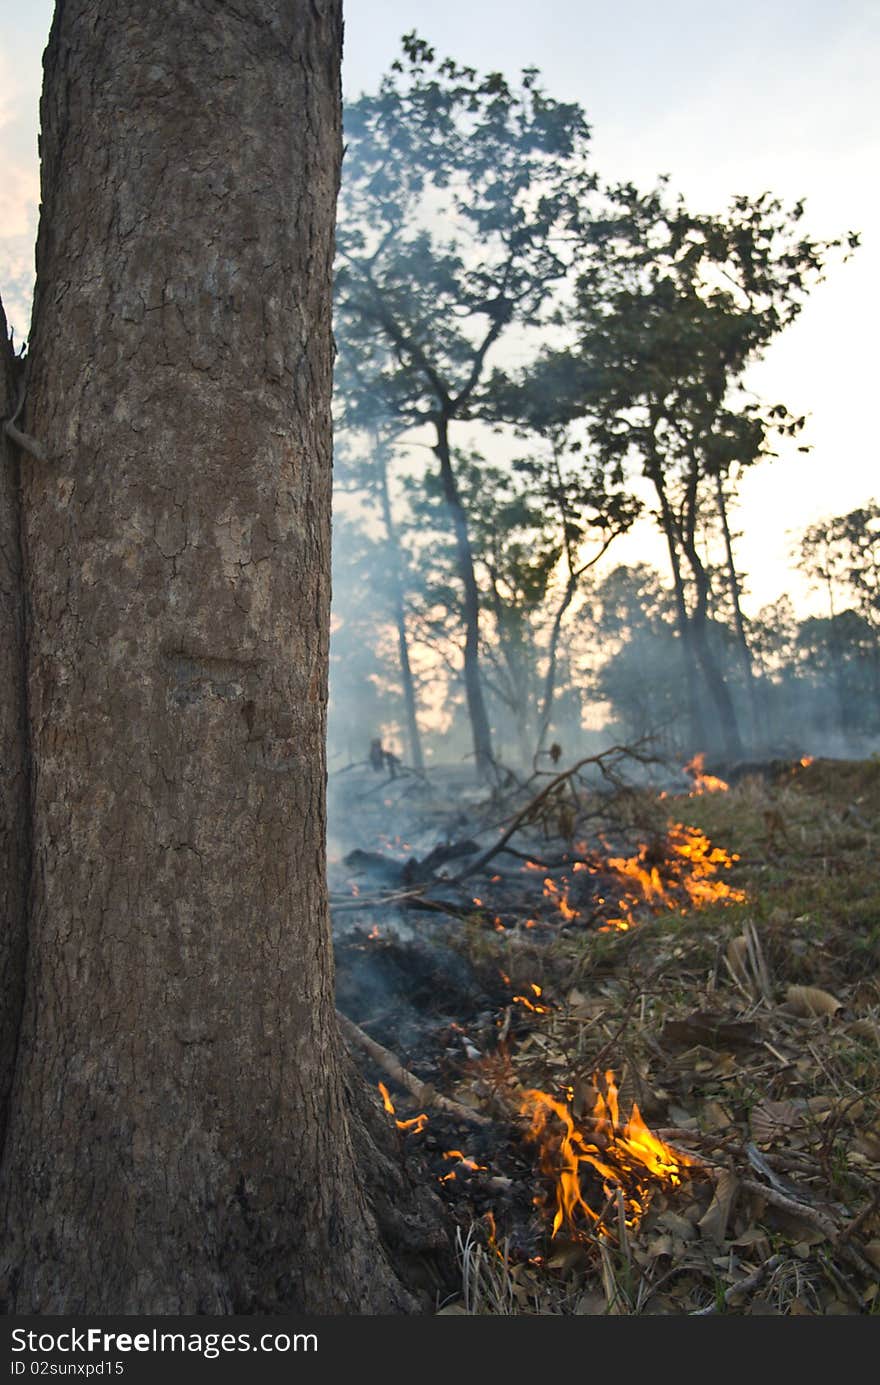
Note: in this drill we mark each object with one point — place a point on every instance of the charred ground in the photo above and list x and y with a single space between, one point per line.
744 1026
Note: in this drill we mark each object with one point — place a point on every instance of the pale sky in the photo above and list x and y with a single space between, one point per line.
763 95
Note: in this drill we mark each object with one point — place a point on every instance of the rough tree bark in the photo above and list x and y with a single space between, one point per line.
14 758
181 1135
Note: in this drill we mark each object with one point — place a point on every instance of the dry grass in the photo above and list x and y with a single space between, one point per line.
748 1035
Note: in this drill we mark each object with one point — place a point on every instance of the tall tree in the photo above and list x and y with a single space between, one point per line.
14 755
671 308
180 1136
460 198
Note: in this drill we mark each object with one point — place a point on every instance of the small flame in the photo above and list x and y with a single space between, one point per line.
703 783
553 891
415 1125
464 1160
806 760
622 1157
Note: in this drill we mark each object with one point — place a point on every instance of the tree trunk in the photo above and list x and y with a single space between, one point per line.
714 678
406 676
179 1137
688 650
14 757
745 653
482 739
549 690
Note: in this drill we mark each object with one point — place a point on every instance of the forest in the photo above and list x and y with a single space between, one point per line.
431 886
633 796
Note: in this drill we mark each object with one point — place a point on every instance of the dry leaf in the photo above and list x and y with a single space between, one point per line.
594 1304
864 1029
810 1001
679 1226
714 1116
770 1119
713 1222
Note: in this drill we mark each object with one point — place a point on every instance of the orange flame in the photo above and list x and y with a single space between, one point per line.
464 1160
416 1124
686 875
552 891
621 1157
703 783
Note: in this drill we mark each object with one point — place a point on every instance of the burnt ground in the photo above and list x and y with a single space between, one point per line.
746 1028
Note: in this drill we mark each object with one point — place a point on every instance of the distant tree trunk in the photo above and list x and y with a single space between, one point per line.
745 653
709 667
549 689
516 666
835 647
688 649
180 1135
479 720
14 757
406 676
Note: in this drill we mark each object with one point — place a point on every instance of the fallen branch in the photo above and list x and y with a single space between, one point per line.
346 904
751 1281
818 1219
423 1092
534 803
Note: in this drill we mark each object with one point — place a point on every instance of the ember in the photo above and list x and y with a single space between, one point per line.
626 1159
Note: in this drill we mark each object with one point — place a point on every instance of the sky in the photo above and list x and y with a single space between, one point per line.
725 99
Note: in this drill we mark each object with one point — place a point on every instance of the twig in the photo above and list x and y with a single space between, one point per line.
540 798
423 1092
344 904
859 1219
751 1281
818 1219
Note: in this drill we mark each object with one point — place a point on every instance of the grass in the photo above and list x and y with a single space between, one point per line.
783 1100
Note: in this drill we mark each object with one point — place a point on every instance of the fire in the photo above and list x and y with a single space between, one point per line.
626 1158
553 891
806 760
532 1004
416 1124
463 1161
703 783
686 876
